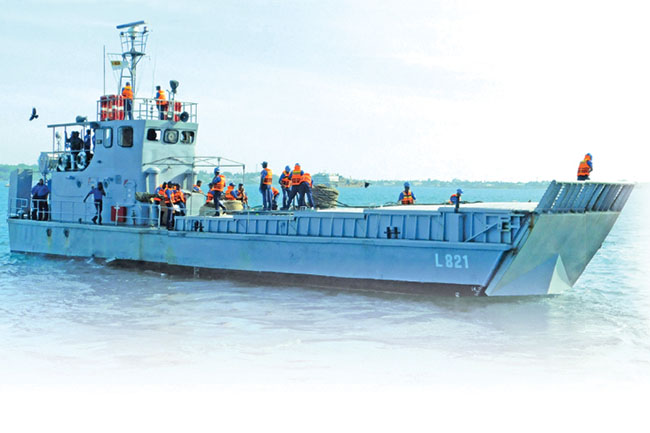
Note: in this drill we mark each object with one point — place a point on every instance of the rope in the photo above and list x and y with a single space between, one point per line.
325 197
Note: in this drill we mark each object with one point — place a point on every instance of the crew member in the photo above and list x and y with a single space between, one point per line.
159 199
127 94
40 191
98 193
241 195
197 187
585 168
216 193
305 190
266 179
76 145
296 179
285 185
276 193
161 103
88 141
169 201
406 196
455 199
231 194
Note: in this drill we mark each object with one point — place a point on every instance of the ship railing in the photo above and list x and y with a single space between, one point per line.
138 214
114 107
65 160
580 197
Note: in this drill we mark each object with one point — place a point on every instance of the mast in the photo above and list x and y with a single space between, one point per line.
134 43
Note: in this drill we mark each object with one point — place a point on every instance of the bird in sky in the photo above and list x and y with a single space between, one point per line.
34 115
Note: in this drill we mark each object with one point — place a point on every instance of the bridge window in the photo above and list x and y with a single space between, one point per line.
170 136
187 137
125 136
104 137
153 134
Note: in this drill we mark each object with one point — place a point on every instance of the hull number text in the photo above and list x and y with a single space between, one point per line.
455 261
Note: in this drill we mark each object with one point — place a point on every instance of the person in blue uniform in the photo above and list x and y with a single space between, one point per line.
266 180
197 187
455 199
40 191
406 196
285 185
98 194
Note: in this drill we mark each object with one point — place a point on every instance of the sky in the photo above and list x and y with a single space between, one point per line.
477 90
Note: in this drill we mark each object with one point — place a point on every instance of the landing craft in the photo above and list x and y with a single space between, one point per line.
494 249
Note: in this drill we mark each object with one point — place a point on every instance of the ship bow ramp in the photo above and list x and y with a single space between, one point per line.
566 230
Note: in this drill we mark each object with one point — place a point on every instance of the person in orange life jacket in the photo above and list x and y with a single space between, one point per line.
285 185
406 196
241 193
585 168
127 94
305 190
296 179
197 187
180 199
40 191
98 194
169 201
159 199
231 194
161 102
266 179
216 194
455 199
218 186
276 193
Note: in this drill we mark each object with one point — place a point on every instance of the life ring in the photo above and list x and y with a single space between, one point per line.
62 164
81 160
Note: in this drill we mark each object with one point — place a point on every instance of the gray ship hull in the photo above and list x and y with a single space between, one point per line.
494 250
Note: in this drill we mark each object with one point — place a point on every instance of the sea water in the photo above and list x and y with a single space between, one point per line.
78 321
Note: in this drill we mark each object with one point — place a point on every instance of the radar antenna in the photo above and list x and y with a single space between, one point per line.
134 43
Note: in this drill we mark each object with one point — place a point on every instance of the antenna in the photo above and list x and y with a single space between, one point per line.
134 43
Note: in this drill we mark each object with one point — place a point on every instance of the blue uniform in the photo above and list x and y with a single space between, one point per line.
39 195
97 194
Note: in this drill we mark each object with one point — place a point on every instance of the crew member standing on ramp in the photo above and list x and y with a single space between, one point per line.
585 168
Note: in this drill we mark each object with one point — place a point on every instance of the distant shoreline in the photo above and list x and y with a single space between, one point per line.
6 169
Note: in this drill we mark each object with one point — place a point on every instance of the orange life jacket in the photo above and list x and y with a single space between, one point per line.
268 177
583 168
229 192
451 199
408 197
306 178
165 196
210 196
275 191
296 177
127 92
161 99
196 188
286 180
219 186
242 195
